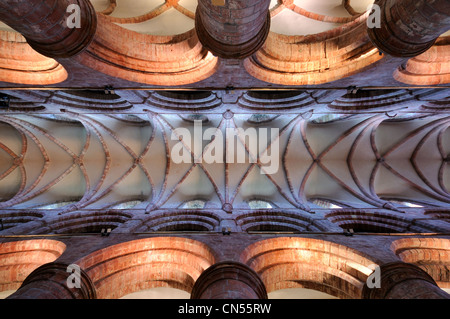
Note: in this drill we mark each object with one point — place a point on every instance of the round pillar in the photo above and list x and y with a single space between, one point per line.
50 281
229 280
409 28
51 27
401 280
232 29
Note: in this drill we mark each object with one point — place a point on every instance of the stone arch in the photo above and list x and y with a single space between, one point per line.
376 221
277 220
276 100
184 100
142 264
148 59
439 213
288 262
19 258
83 222
90 100
429 68
430 254
381 100
186 220
32 68
282 58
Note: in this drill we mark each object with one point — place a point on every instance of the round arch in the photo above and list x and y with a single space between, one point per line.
19 258
32 68
430 254
289 262
133 266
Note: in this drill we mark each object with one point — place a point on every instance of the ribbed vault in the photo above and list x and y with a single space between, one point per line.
315 169
161 138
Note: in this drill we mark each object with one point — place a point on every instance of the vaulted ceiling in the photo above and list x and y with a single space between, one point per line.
101 160
129 130
96 131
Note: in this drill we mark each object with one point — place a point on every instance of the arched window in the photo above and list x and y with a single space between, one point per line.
261 118
194 204
406 203
56 205
327 118
260 204
127 205
195 117
325 204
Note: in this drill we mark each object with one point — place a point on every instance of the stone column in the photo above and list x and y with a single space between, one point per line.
401 280
409 28
50 281
229 280
44 24
232 29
